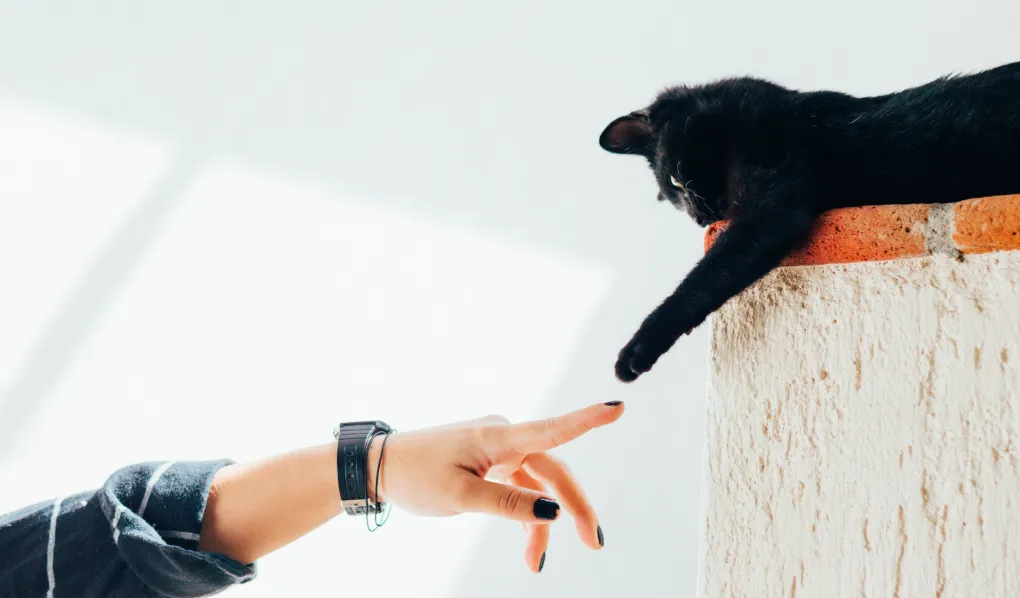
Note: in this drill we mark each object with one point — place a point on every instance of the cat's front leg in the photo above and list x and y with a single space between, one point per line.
754 244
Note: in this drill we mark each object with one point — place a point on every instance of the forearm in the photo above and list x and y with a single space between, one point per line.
256 508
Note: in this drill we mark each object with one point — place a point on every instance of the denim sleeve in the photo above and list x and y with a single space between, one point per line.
135 536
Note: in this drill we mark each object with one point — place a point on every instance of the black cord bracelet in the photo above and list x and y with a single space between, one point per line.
378 470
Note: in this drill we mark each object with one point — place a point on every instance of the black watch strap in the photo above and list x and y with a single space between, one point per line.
352 464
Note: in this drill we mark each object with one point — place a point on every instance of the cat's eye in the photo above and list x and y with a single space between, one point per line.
676 183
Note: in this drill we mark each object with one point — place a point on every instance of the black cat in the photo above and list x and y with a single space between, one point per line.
770 159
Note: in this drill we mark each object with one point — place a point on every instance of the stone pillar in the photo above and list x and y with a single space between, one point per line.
863 412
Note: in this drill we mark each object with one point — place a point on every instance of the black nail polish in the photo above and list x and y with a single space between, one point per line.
541 563
613 403
602 539
546 509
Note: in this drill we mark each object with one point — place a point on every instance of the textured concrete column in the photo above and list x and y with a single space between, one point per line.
863 417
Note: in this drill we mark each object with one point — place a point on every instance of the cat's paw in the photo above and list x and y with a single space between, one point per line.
643 351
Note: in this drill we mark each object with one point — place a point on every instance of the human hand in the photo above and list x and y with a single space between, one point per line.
451 470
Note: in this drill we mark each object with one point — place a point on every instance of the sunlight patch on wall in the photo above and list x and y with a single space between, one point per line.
67 184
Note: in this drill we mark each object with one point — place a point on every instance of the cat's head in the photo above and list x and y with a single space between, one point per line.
693 137
683 138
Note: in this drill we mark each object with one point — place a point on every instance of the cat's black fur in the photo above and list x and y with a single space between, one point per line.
770 159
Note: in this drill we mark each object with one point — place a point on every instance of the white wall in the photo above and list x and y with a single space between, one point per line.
226 226
863 423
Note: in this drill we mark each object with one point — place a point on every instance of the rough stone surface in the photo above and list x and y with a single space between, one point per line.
862 441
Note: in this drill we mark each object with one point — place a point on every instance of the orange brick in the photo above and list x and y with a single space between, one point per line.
864 234
869 233
713 231
987 224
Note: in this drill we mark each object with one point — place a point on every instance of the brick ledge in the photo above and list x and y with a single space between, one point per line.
876 233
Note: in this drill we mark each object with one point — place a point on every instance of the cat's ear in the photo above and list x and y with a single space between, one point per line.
631 134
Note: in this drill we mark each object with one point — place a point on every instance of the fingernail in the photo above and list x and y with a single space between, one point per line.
602 539
614 403
546 509
541 563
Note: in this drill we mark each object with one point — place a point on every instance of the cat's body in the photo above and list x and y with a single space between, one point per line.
771 159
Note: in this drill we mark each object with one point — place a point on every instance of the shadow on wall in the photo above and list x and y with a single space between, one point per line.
500 140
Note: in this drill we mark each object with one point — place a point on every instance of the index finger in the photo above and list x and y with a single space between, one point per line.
547 434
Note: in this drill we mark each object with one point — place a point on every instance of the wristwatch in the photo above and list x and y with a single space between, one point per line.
353 440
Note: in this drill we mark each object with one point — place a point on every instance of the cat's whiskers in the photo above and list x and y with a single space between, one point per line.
695 196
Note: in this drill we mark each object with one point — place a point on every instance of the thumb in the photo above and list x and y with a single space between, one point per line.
511 502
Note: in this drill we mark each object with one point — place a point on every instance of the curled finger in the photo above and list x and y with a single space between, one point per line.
538 534
567 489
